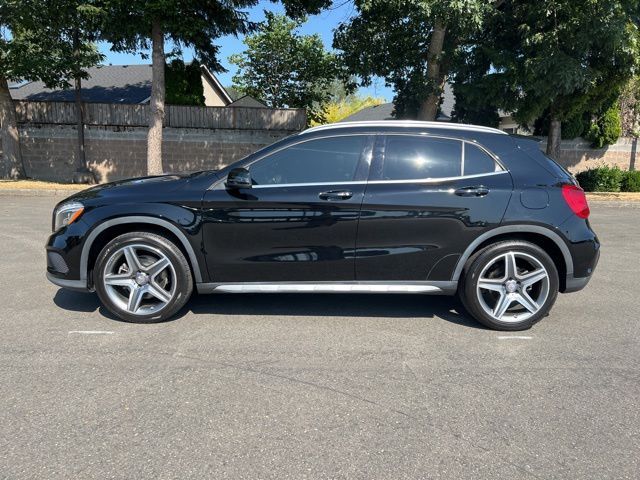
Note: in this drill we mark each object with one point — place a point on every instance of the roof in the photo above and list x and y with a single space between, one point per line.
247 101
106 84
405 124
377 112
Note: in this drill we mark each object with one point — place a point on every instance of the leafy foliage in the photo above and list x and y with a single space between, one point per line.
468 109
575 126
565 56
391 38
184 83
286 69
606 128
341 109
630 181
601 179
189 23
51 40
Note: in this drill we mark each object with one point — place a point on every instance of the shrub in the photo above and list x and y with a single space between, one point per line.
630 181
606 129
601 179
573 127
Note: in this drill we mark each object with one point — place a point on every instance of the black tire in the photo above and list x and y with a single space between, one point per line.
468 291
181 287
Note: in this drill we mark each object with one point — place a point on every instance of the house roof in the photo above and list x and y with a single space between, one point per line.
247 101
106 84
128 84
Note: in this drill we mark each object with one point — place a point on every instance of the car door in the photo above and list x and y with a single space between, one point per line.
427 199
299 219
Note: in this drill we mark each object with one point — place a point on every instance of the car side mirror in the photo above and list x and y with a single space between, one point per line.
238 178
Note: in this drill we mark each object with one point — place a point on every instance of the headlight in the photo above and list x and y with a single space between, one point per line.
66 214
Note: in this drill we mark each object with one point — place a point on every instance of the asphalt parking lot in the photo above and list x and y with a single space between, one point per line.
301 386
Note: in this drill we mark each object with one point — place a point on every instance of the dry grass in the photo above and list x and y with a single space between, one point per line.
38 185
611 196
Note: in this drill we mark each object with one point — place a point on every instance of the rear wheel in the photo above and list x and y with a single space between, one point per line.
510 285
142 277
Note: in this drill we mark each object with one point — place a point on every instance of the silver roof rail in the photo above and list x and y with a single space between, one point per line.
405 123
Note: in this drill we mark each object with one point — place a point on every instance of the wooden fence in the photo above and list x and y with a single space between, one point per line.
113 114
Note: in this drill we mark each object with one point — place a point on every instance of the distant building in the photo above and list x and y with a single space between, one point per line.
128 84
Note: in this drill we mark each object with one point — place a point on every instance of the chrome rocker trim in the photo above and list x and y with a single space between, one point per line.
438 288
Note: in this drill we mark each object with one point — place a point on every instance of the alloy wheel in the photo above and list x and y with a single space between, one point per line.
139 279
513 286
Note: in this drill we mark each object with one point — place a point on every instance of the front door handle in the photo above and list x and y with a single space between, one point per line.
336 195
478 191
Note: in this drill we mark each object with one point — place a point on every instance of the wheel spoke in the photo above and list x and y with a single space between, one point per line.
132 259
527 302
503 303
511 270
496 285
532 277
157 267
158 292
135 299
118 280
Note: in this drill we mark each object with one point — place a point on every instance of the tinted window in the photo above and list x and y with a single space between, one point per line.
412 157
323 160
477 161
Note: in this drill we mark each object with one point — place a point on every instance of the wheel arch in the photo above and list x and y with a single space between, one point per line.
545 238
109 229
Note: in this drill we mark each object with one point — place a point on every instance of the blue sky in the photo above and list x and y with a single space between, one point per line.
322 24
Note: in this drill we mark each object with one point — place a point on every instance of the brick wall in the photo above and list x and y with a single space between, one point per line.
116 152
113 153
577 155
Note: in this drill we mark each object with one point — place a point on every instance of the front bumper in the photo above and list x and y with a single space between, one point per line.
77 285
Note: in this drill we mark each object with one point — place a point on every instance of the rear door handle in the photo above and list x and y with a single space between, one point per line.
477 191
336 195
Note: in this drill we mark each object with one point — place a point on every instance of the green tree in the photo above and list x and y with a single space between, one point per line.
136 25
48 40
184 83
564 56
412 44
606 126
283 68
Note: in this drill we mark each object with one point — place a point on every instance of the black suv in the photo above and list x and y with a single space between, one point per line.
371 207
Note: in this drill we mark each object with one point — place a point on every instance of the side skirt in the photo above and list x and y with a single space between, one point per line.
433 288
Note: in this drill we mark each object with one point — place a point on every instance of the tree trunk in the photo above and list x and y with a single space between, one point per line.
555 136
82 173
154 137
11 166
81 160
429 108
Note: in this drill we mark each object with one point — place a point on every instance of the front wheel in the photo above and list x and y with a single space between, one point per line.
509 285
142 277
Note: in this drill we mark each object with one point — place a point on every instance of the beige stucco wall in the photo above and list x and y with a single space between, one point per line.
211 97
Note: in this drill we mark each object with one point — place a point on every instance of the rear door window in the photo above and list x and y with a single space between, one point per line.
410 157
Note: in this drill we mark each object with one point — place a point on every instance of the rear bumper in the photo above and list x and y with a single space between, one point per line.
575 284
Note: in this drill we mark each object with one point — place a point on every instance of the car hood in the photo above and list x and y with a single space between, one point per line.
142 188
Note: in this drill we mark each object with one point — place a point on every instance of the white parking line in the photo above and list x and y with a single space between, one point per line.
516 337
91 332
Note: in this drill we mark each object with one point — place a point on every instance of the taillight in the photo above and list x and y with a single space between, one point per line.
576 199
